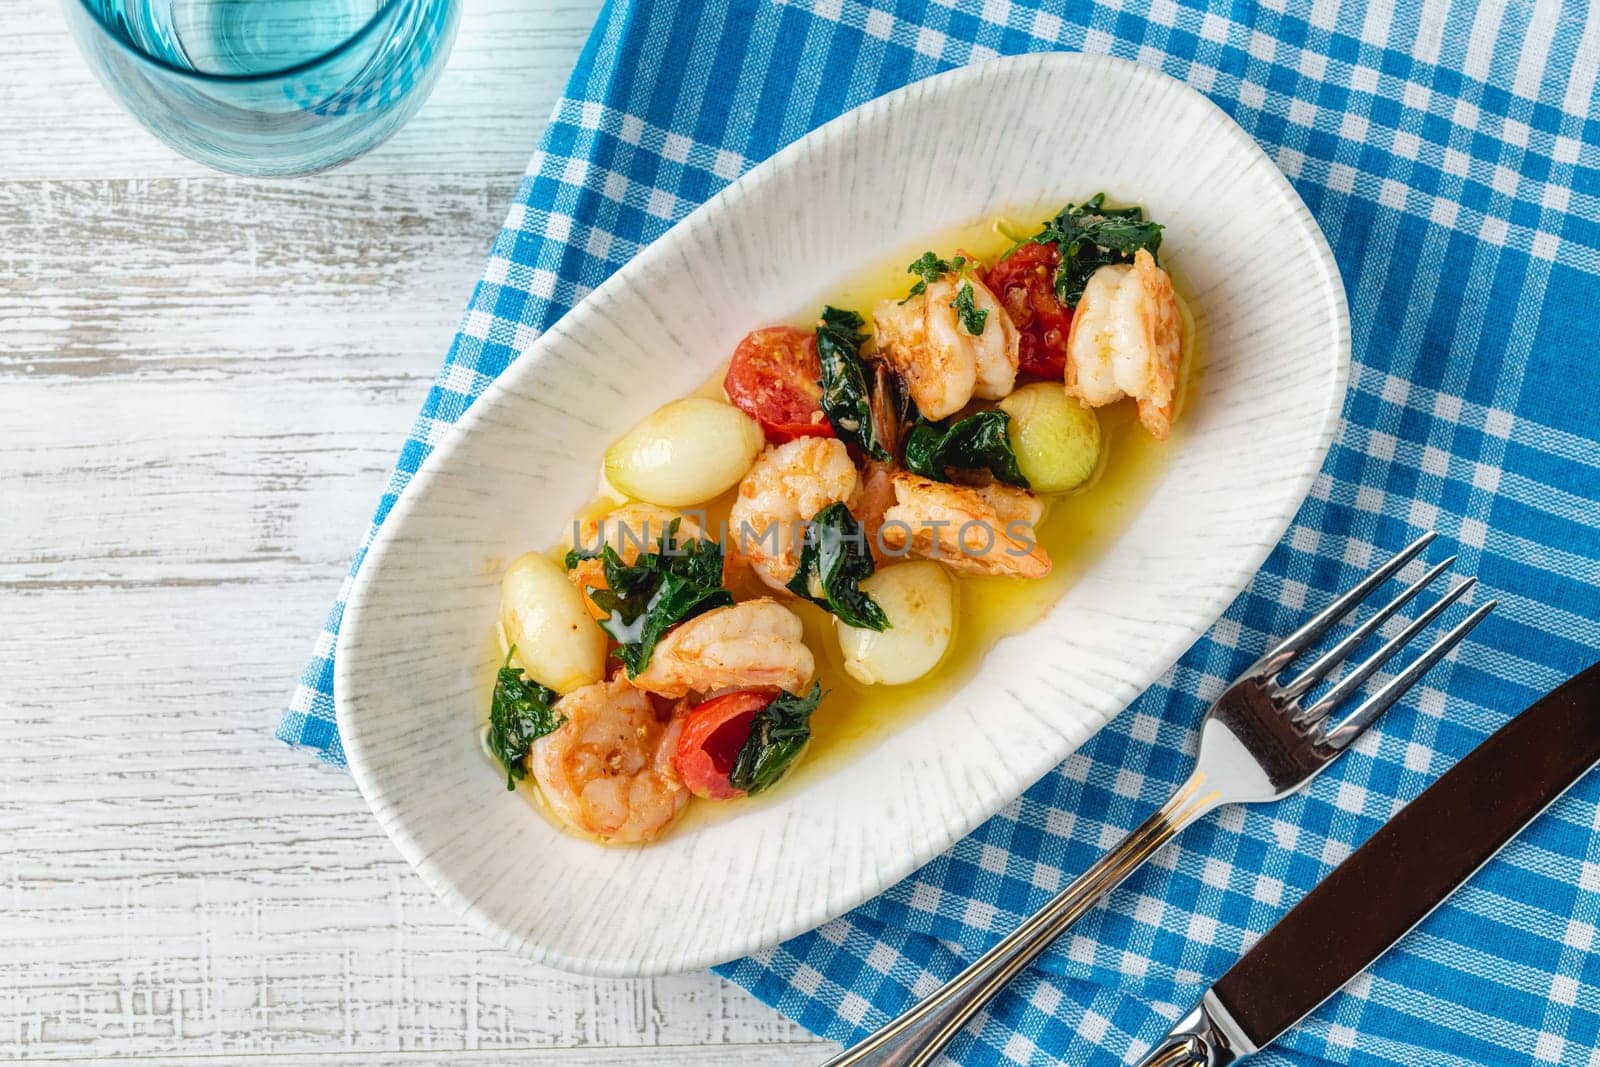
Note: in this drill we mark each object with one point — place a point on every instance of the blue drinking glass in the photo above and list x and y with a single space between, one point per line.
267 87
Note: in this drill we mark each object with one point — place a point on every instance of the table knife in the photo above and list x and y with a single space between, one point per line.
1390 884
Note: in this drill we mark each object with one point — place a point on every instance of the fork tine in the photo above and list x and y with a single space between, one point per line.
1365 669
1335 655
1275 658
1375 705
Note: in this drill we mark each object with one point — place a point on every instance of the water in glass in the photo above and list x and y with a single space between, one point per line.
267 87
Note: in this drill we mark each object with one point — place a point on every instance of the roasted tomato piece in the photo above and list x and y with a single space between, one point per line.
1024 283
713 734
776 379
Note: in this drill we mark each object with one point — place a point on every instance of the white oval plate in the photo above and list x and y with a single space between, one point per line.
414 652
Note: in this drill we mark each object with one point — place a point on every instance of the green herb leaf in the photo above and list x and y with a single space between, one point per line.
576 556
981 441
521 712
660 589
833 560
929 268
844 381
1090 235
972 317
777 734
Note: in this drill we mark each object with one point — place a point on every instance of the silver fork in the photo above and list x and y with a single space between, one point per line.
1258 743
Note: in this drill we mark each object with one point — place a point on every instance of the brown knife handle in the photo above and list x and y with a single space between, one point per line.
1415 860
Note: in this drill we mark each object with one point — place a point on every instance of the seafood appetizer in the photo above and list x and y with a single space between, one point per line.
845 511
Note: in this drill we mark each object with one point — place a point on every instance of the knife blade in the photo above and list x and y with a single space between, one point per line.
1390 884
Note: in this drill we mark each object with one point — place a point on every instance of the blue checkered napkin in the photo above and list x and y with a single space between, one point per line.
1451 156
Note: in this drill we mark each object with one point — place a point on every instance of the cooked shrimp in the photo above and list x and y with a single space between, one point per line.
872 503
758 642
1127 340
943 365
607 771
788 485
978 530
997 347
631 530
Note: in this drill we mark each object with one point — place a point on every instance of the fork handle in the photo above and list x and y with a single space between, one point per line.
916 1038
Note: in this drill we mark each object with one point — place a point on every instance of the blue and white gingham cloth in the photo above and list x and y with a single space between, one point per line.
1452 156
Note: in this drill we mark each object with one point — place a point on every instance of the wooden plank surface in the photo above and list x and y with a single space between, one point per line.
203 382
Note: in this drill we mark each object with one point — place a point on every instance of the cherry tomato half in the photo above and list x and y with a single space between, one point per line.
1024 283
776 379
713 733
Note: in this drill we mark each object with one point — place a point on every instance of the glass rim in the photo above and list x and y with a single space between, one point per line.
201 75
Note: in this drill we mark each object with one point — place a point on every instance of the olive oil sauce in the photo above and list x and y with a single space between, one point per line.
1077 527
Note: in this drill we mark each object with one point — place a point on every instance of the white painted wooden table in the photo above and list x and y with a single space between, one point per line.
203 381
